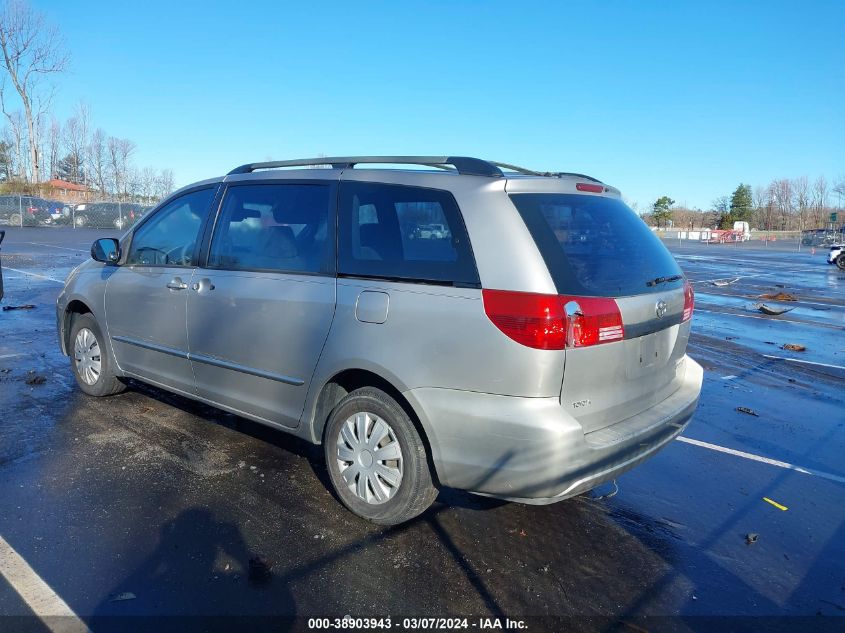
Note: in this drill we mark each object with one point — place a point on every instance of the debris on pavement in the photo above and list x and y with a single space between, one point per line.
35 379
748 411
794 347
776 504
771 310
725 282
778 296
26 306
259 570
119 597
751 537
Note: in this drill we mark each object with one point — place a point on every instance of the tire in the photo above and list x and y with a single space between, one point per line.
80 221
15 219
414 491
103 382
840 262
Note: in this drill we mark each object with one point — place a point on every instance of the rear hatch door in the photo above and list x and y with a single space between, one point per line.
596 246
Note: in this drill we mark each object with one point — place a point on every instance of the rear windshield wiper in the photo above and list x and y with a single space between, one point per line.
663 280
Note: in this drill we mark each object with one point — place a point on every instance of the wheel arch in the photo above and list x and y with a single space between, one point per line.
346 381
73 308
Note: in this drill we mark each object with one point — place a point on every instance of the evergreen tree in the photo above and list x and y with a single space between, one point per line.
661 211
70 168
741 203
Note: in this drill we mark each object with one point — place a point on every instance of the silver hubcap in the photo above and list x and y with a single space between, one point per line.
86 355
369 457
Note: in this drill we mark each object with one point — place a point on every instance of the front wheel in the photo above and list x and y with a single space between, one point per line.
840 262
92 365
376 459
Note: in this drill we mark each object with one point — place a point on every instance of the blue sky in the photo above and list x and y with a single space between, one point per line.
680 98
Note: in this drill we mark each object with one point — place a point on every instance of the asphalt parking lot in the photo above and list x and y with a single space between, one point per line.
147 504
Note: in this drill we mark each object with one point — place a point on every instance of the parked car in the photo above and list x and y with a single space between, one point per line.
820 237
497 362
430 232
24 211
837 256
60 212
118 215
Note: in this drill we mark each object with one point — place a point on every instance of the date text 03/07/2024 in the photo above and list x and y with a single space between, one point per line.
410 624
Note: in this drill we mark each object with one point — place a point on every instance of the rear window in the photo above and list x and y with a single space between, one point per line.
596 246
403 233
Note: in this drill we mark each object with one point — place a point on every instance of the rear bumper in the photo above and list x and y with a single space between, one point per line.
530 450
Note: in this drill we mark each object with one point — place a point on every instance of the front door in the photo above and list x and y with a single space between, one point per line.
146 297
260 310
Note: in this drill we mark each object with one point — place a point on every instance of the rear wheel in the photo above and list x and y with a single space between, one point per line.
80 220
92 365
15 219
376 459
840 262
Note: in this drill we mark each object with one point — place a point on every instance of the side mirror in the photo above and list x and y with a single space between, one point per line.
106 250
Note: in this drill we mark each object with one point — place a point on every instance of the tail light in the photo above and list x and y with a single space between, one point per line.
31 210
554 322
689 300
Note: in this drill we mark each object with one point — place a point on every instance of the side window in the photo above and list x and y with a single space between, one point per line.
281 228
401 232
170 237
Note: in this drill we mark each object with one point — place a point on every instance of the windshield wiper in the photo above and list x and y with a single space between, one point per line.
663 280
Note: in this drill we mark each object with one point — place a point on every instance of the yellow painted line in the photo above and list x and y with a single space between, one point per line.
775 504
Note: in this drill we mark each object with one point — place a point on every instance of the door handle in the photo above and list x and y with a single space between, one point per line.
176 284
202 285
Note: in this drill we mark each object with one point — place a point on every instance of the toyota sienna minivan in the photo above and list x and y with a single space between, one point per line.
532 349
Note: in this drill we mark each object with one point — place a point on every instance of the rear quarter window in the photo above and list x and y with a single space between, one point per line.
596 246
403 233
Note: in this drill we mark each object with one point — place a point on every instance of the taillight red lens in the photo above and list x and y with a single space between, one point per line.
534 320
584 186
540 321
597 320
689 300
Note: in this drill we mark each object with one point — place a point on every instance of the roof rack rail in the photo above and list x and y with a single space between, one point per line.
462 164
548 174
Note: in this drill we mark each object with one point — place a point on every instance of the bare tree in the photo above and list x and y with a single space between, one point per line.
819 201
782 196
120 151
74 145
839 190
801 195
164 183
147 179
97 160
54 140
32 52
764 210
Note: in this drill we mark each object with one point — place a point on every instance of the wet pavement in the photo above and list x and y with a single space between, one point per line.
151 504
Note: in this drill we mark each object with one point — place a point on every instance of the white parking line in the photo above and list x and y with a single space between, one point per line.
768 318
802 361
44 602
5 356
24 272
64 248
764 460
754 276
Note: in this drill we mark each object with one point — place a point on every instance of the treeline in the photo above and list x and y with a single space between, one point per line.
34 145
783 205
74 152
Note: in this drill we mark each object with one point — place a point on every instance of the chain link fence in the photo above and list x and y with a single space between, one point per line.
22 210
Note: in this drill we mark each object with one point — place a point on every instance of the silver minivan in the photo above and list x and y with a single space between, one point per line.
531 349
